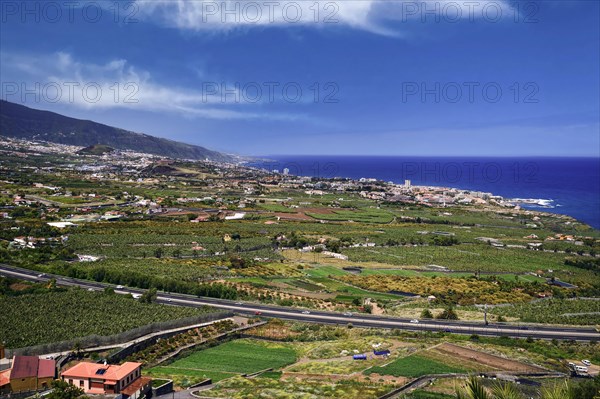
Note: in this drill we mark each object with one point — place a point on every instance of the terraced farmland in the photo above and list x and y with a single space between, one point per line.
226 360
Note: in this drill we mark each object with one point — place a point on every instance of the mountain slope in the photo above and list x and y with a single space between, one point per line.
22 122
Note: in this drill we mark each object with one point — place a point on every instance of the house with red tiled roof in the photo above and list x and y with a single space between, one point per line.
101 379
4 382
28 373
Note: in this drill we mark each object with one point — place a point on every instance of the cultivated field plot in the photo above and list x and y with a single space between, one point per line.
485 360
226 360
415 365
448 358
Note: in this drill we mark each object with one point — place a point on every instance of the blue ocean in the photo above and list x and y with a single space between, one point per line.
569 186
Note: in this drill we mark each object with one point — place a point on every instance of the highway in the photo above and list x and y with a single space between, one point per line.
312 316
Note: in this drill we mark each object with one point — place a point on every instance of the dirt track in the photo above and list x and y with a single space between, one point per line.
293 216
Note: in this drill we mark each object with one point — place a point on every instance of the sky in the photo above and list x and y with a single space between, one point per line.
367 77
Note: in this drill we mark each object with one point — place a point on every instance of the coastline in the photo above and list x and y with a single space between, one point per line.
559 185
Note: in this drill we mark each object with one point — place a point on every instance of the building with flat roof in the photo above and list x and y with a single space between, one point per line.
95 378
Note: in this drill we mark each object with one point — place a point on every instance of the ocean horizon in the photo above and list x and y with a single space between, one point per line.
562 185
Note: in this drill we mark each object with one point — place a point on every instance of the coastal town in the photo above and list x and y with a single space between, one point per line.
249 182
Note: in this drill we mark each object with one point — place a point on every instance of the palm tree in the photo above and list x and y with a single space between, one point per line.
475 390
558 391
506 391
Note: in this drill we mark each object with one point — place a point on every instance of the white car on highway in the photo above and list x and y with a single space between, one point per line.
120 287
414 321
306 312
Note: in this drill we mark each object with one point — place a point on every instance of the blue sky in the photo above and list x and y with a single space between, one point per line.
491 77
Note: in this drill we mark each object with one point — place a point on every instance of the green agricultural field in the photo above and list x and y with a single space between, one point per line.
55 316
325 271
226 360
413 366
